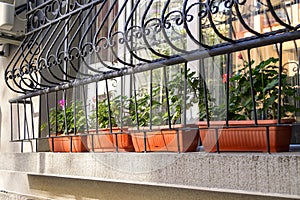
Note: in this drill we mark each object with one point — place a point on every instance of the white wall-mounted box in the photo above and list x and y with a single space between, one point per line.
7 18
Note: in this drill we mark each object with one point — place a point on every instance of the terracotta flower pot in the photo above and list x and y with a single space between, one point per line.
164 139
246 138
105 141
63 143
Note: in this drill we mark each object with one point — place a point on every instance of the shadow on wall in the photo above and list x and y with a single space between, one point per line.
0 127
69 188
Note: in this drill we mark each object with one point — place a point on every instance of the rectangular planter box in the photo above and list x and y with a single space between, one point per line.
105 141
164 139
246 138
63 143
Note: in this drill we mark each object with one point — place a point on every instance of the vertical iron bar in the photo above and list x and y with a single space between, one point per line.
145 141
203 77
75 120
40 120
25 128
167 96
178 140
151 99
97 109
71 143
279 84
75 110
202 74
252 87
11 122
217 140
65 114
85 108
135 103
109 116
185 94
19 126
22 146
97 117
227 88
56 108
32 120
121 104
48 120
268 139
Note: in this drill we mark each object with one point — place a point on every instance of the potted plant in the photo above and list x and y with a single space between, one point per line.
63 130
242 133
156 135
109 137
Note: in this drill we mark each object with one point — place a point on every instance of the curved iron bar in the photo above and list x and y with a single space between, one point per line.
64 16
212 9
189 18
17 72
271 8
9 73
56 56
127 30
146 31
104 46
35 53
241 19
165 24
111 36
94 44
80 49
49 16
66 55
96 35
40 53
120 41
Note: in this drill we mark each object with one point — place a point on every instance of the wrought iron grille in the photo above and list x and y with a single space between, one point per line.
73 44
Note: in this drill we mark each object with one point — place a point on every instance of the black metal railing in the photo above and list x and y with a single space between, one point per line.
93 64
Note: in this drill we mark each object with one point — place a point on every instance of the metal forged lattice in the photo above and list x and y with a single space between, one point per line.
65 38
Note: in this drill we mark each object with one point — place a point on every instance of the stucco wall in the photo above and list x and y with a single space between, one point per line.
5 95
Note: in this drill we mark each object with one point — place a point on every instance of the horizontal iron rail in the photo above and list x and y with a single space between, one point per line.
252 42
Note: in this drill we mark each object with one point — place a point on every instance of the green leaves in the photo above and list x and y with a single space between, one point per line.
265 88
62 119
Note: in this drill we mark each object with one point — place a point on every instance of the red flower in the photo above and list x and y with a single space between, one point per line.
240 56
224 78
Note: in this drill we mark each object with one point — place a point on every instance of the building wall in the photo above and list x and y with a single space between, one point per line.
6 94
140 176
152 175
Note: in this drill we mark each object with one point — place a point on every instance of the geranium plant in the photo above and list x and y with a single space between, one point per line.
265 78
103 116
194 96
62 118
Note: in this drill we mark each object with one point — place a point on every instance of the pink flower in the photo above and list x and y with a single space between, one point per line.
240 56
62 103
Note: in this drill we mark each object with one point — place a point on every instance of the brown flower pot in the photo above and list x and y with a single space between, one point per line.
246 138
105 141
164 139
63 143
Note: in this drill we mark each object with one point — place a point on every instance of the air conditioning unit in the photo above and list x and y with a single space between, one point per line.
12 21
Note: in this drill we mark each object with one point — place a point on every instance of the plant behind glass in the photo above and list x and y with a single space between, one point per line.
61 120
265 77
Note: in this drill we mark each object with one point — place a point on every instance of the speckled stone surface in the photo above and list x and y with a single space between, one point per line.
272 175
